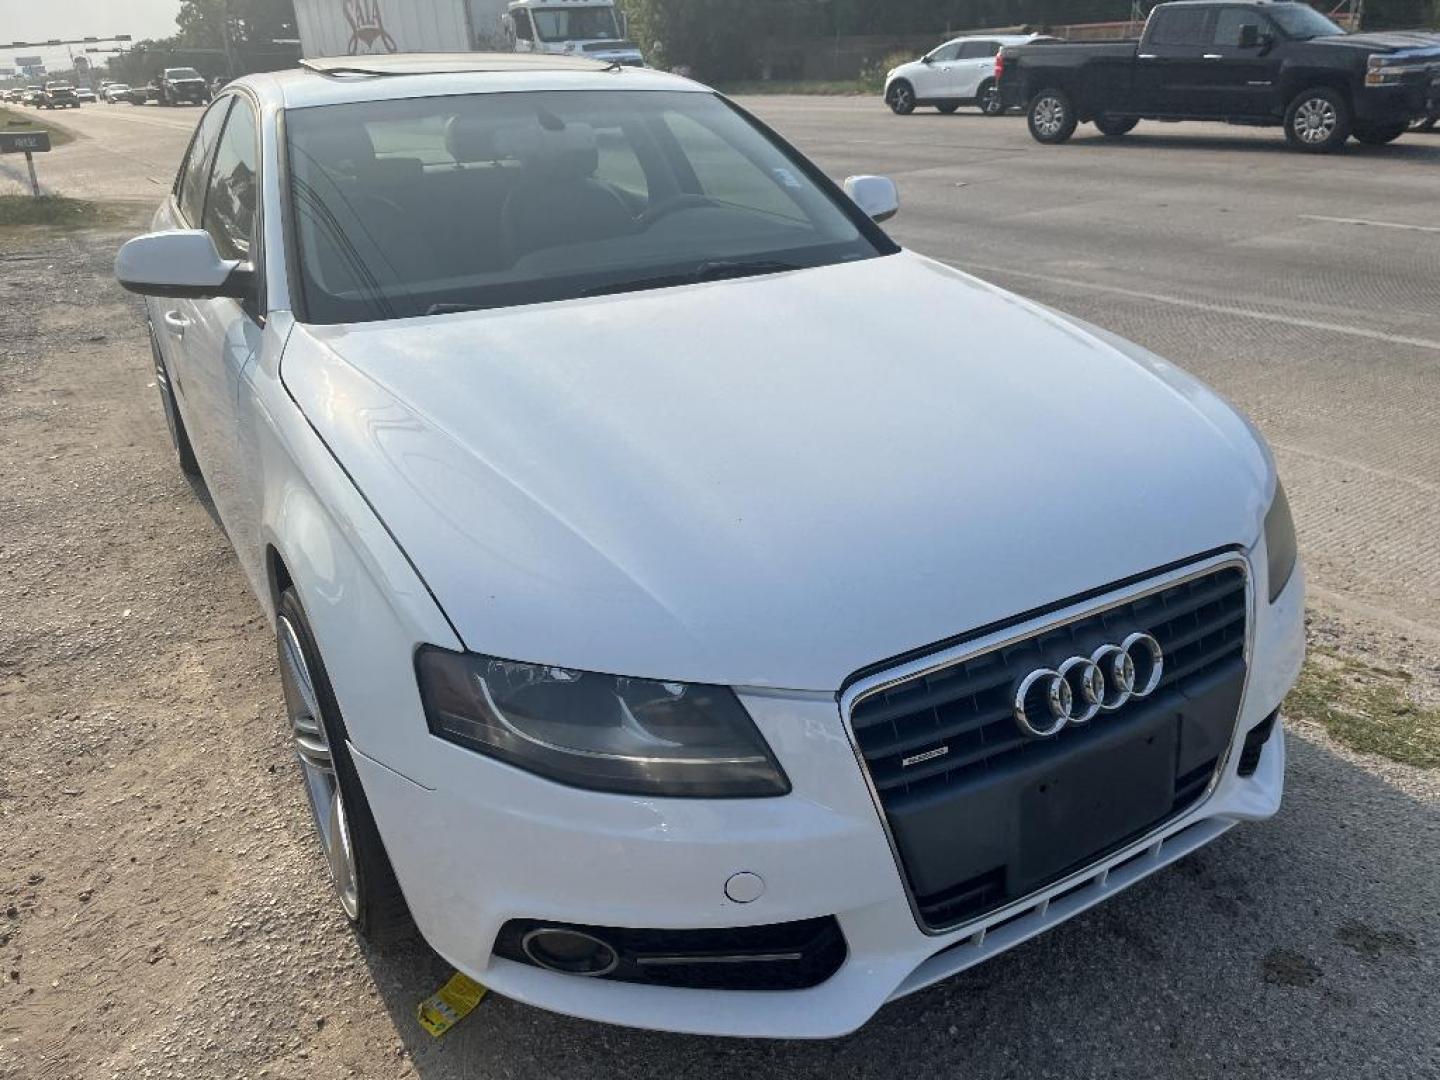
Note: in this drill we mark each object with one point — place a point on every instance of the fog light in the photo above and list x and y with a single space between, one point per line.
569 951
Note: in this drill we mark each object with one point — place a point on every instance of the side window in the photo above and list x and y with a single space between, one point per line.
946 52
523 30
230 205
195 173
978 50
1179 26
728 175
1229 22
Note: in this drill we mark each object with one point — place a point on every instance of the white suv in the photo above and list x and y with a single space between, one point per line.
960 72
672 619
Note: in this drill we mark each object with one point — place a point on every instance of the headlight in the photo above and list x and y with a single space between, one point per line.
604 732
1279 542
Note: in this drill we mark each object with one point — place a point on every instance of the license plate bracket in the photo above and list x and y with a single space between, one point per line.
1083 805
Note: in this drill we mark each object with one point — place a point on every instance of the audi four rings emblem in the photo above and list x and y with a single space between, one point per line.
1082 687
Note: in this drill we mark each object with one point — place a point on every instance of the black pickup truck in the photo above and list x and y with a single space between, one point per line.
1252 62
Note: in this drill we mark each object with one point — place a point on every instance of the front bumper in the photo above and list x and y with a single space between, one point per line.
488 843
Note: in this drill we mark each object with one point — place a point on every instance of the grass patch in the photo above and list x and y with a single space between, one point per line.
27 120
849 88
59 212
1366 708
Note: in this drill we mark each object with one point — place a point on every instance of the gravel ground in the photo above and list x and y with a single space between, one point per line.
164 906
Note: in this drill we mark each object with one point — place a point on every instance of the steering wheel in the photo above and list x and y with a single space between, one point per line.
674 204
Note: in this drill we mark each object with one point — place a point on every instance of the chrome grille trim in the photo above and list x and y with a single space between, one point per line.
881 681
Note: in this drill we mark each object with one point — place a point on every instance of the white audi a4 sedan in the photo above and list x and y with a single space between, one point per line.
695 611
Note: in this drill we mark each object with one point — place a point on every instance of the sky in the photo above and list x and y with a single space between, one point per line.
27 20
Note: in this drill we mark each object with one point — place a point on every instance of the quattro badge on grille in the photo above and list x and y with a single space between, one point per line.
1050 699
928 755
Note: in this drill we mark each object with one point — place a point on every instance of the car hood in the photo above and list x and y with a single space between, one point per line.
1385 41
772 481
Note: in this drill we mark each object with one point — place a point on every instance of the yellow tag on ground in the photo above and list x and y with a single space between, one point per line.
450 1004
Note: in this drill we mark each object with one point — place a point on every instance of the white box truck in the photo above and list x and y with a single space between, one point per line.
360 27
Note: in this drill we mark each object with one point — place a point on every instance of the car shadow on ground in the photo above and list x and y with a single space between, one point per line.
1304 946
1413 146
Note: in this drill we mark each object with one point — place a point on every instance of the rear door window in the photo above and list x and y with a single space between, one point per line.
1180 26
978 50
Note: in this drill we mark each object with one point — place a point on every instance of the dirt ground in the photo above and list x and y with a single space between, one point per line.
164 910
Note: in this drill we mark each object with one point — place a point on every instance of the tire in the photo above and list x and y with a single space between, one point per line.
1380 135
360 870
179 438
1318 121
1051 117
947 107
1112 127
987 99
901 98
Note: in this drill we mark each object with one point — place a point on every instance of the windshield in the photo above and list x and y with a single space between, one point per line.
427 205
576 24
181 73
1302 22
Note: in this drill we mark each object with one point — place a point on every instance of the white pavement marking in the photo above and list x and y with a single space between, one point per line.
1219 309
1371 224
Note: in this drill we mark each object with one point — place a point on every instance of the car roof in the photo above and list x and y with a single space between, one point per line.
342 79
1003 39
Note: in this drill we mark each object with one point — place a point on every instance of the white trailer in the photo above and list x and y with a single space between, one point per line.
361 27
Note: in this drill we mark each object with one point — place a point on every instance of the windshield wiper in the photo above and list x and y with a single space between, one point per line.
710 270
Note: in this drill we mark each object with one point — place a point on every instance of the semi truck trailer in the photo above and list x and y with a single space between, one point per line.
362 27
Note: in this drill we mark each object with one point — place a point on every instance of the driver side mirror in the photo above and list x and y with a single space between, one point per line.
181 263
876 195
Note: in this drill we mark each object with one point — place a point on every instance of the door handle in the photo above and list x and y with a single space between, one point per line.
1214 56
1145 56
176 323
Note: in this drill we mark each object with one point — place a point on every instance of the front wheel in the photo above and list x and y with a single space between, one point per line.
901 98
360 870
1052 117
1318 121
988 99
1381 134
1112 127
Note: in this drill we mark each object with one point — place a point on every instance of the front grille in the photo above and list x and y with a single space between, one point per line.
942 747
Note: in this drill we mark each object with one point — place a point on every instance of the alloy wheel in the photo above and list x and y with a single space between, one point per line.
317 767
1315 121
901 100
1049 116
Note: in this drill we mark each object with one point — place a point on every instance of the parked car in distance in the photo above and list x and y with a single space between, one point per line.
33 96
15 94
959 72
723 675
181 86
58 95
1250 62
115 92
85 95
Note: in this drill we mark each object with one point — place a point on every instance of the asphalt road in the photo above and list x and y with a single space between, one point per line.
1307 290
